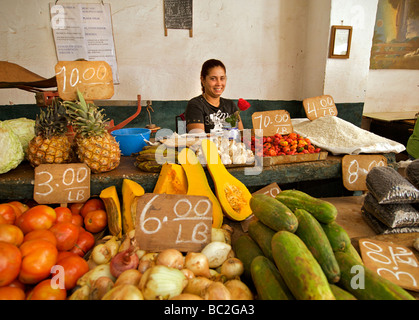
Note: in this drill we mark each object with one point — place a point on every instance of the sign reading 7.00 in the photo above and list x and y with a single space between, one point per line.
62 183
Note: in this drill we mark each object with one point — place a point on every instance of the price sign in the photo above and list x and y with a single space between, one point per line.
93 79
62 183
320 106
356 167
176 221
271 122
391 261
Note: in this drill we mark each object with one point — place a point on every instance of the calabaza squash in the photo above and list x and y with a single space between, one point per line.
232 194
130 191
172 180
198 183
113 210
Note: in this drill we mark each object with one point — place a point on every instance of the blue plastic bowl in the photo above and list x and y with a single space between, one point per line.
131 140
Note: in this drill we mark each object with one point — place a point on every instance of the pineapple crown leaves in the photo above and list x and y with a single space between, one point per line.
53 120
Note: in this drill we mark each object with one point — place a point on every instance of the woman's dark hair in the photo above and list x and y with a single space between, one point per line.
207 66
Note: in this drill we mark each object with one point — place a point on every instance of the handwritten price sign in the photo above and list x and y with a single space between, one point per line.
320 106
166 221
62 183
271 122
391 261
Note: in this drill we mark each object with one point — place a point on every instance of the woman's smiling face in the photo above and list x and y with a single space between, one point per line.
214 82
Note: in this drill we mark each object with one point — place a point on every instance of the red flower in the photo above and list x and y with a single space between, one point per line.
243 104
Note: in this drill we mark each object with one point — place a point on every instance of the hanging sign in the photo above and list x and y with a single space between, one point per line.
175 221
178 15
320 106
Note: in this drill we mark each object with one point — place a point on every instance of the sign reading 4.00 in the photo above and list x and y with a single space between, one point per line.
62 183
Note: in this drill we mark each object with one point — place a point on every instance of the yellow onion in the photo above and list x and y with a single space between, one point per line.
232 268
147 261
197 286
162 283
104 252
124 292
170 258
81 293
198 263
238 290
186 296
130 276
217 291
100 287
216 253
102 270
188 273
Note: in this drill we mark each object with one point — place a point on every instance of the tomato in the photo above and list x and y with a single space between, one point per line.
64 254
12 293
63 214
10 262
8 212
84 243
2 219
11 234
38 257
74 267
96 221
92 204
17 284
76 207
66 234
43 234
47 290
38 217
21 206
77 220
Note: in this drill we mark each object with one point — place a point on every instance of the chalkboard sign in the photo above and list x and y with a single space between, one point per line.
62 183
272 122
356 167
175 221
392 262
93 78
320 106
178 15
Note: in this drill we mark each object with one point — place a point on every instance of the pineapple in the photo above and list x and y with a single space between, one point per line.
50 144
95 146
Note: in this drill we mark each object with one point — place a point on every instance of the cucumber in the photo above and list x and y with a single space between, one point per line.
246 249
262 235
322 210
299 269
352 251
337 235
366 284
273 213
310 231
268 281
341 294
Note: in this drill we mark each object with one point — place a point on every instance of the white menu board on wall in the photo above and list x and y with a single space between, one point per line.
84 31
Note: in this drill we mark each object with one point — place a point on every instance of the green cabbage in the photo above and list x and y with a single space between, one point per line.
11 154
24 128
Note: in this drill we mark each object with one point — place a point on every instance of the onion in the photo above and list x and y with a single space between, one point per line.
130 276
186 296
198 263
232 268
81 293
217 234
123 261
104 252
216 253
147 261
162 283
170 258
100 287
188 273
102 270
124 292
238 290
217 291
197 286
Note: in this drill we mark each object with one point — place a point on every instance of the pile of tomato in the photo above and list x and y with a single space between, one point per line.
278 144
42 248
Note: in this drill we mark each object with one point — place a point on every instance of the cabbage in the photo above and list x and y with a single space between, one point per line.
24 128
11 154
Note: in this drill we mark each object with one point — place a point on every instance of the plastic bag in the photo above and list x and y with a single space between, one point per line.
412 172
381 228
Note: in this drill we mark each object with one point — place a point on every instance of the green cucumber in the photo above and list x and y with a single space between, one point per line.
341 294
337 235
262 235
322 210
366 284
273 213
246 249
268 281
299 269
310 231
352 251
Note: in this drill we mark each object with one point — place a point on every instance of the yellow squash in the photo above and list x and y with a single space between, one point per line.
232 194
198 183
172 180
130 190
113 210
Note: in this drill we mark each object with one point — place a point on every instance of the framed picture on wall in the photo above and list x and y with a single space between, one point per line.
340 42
